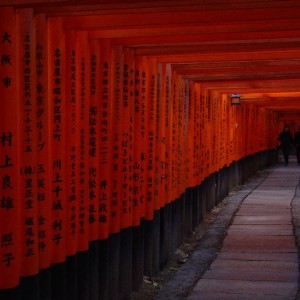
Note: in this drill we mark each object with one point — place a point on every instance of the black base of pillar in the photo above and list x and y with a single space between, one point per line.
93 263
83 291
103 270
125 276
114 261
72 277
58 281
137 256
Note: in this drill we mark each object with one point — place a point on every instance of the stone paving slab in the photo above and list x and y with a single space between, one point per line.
231 296
258 232
263 209
252 275
262 220
287 289
255 227
284 203
260 248
252 265
282 183
264 256
273 192
259 240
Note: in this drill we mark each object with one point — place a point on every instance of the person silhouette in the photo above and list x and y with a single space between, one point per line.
286 141
297 144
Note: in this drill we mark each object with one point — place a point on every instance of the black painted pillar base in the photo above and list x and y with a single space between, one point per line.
156 242
165 235
72 277
125 275
137 256
93 263
83 290
45 284
11 294
58 281
103 269
148 248
113 262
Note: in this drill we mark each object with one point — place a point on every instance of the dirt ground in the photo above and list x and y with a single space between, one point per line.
152 285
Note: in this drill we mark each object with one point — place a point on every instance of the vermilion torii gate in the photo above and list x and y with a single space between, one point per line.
118 134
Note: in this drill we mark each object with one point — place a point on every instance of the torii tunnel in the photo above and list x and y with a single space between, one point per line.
118 134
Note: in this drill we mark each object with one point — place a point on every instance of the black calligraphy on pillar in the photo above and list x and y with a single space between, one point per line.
41 118
6 60
72 196
72 156
82 156
104 139
93 144
116 140
151 139
93 87
28 110
57 201
28 170
104 116
7 203
136 168
8 182
125 145
57 117
40 98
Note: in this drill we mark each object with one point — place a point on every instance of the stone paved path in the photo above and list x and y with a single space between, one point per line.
259 256
249 251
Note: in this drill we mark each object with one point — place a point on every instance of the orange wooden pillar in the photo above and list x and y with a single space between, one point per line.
175 111
208 107
116 129
82 105
72 160
150 118
159 158
83 72
138 174
173 158
231 137
106 209
127 139
10 207
128 144
42 131
105 139
138 138
181 139
159 146
181 146
27 151
191 183
57 162
152 201
94 166
164 166
198 141
116 90
190 86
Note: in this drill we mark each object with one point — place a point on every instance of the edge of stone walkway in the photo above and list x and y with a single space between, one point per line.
184 280
296 226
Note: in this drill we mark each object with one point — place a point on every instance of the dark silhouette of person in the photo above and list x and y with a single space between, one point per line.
297 144
286 141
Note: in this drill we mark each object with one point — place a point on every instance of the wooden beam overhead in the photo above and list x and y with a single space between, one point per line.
228 46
